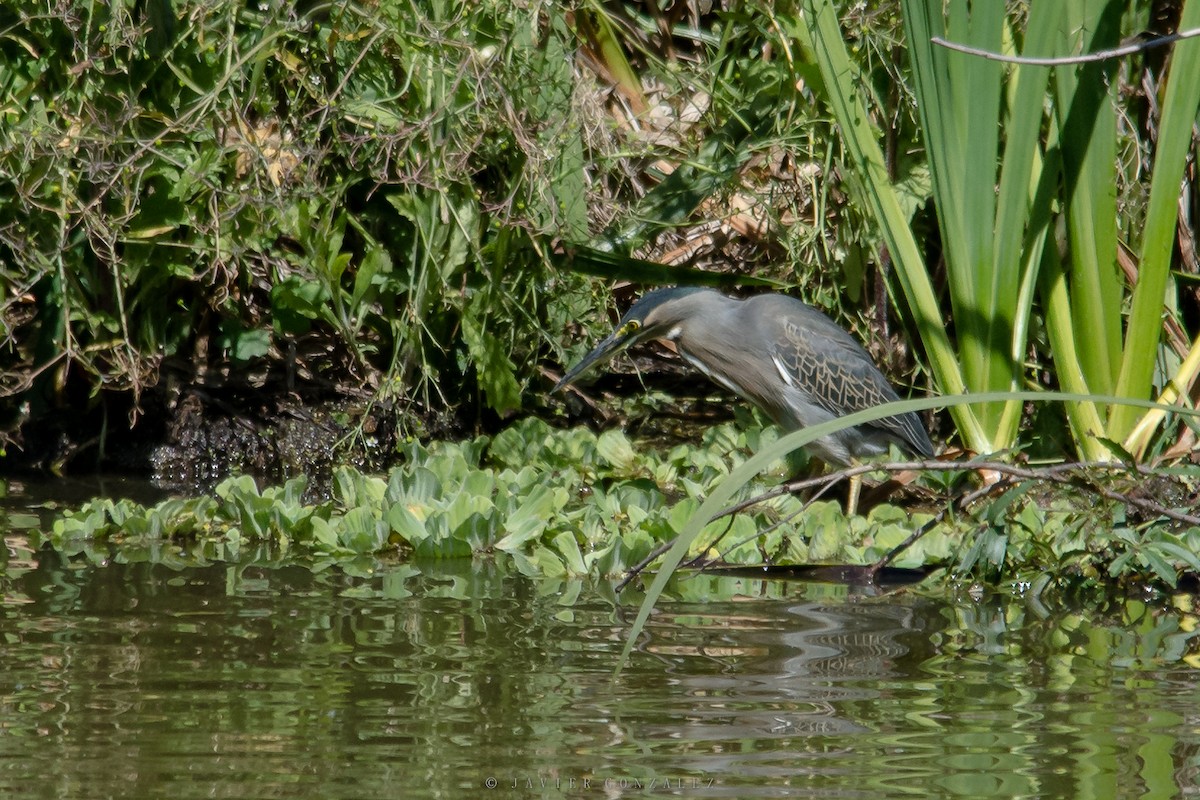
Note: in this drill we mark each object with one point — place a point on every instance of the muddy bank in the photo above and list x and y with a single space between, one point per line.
189 441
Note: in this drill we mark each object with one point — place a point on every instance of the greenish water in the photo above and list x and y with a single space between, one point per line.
263 682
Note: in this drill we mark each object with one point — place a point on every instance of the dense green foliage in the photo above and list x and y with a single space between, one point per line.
210 184
340 195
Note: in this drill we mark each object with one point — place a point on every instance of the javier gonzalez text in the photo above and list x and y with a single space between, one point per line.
583 783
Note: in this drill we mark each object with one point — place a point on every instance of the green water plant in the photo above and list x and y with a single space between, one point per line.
553 503
1017 536
549 501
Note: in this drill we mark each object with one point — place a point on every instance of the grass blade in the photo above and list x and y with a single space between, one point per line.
821 38
1180 103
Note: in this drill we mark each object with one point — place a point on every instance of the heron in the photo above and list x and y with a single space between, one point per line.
781 355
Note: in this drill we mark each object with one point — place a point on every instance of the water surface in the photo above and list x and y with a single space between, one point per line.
136 680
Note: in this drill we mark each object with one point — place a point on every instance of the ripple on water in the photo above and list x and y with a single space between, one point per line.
236 681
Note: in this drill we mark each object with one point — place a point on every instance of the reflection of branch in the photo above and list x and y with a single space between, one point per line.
1068 474
1099 55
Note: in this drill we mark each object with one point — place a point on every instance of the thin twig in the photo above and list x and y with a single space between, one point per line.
1052 473
960 503
1099 55
637 568
791 487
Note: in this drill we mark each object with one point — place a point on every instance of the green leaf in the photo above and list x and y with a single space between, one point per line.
19 521
325 535
374 114
532 516
362 532
465 506
296 303
402 520
614 446
252 344
377 261
353 489
1162 569
494 368
419 487
1178 552
569 548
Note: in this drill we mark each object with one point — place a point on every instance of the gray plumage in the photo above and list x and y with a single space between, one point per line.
778 353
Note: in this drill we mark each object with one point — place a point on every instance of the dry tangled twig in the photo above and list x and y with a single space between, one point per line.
1071 474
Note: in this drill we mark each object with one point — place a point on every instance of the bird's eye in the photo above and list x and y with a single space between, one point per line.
632 326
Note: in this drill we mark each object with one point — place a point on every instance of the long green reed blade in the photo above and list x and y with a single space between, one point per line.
959 100
1179 106
594 24
1061 328
994 288
821 37
617 266
1022 218
1088 125
1024 198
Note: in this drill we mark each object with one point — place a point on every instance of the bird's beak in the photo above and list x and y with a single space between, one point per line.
613 344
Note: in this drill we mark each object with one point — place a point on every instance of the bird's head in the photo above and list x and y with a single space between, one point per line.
654 316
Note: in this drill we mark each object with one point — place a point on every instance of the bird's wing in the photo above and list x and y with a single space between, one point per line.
825 363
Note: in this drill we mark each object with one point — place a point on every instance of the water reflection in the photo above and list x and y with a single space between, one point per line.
275 681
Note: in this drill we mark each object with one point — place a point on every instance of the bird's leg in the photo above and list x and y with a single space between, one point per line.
852 493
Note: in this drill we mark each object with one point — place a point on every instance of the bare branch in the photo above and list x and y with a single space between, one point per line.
1086 58
1064 474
